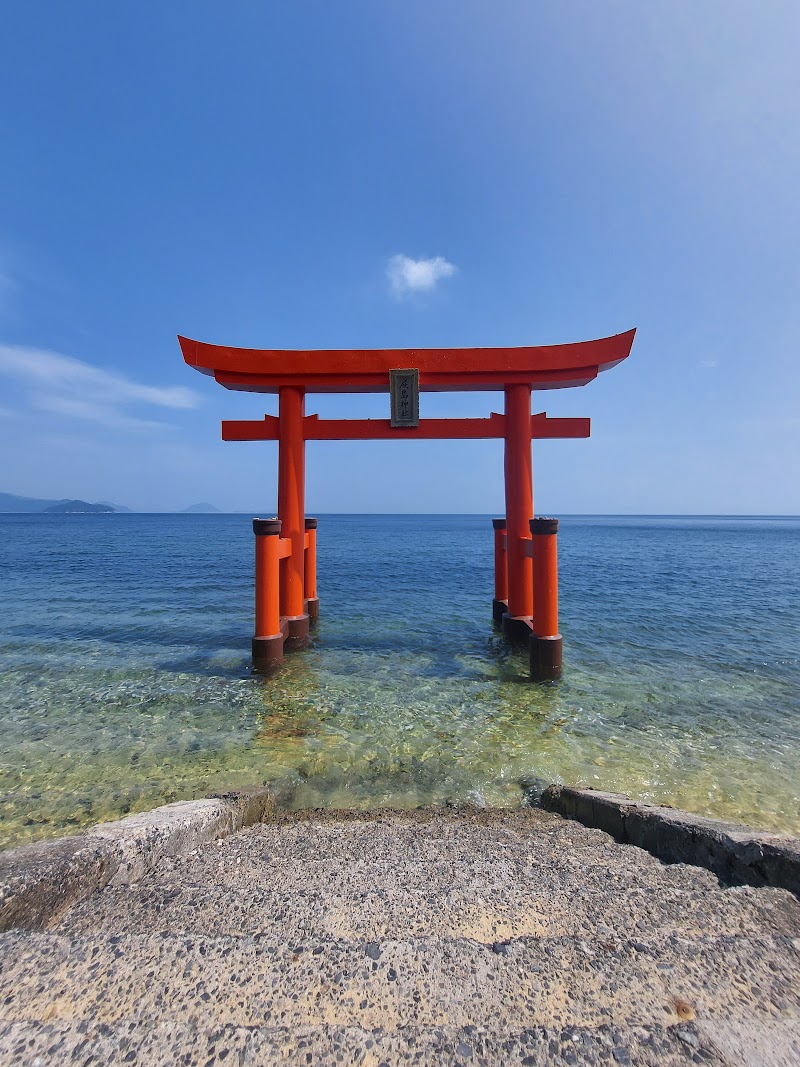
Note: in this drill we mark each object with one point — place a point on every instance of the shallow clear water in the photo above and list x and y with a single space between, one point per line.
125 668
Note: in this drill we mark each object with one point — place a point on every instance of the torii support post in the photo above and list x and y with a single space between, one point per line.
311 598
268 637
500 602
516 621
545 641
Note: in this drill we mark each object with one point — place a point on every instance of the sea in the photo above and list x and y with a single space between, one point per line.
125 677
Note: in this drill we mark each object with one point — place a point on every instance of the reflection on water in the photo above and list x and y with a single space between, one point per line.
125 680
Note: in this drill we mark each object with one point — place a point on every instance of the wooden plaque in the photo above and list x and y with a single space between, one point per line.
404 392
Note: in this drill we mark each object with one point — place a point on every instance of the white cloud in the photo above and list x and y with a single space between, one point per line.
407 275
67 386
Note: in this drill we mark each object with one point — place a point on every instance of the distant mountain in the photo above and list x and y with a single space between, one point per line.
24 504
115 507
78 507
10 504
201 509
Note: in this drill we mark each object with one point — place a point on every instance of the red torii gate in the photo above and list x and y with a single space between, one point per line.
526 577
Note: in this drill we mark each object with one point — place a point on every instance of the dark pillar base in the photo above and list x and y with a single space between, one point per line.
297 627
516 628
499 609
546 658
267 653
312 609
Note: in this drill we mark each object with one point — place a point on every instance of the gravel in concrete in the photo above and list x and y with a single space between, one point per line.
423 937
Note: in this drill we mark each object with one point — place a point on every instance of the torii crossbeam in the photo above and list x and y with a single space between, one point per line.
525 601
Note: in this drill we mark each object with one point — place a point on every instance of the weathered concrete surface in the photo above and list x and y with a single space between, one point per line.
39 882
513 937
737 854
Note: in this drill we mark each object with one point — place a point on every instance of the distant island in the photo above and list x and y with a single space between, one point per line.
11 504
78 507
201 509
24 504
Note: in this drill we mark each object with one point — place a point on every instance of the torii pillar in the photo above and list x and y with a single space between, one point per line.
518 468
291 511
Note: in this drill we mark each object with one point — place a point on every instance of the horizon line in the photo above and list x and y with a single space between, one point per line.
441 514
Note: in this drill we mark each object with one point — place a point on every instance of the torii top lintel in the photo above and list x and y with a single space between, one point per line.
440 369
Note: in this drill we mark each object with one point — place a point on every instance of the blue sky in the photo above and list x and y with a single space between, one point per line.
246 173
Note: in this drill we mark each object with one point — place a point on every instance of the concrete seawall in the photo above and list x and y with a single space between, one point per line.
736 854
42 880
232 930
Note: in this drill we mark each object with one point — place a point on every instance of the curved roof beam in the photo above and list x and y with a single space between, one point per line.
440 369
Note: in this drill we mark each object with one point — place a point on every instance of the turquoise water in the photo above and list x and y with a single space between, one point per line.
125 668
